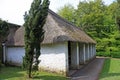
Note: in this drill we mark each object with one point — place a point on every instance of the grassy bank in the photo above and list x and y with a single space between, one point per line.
15 73
111 69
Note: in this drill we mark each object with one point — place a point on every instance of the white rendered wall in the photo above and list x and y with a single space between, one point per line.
14 55
52 56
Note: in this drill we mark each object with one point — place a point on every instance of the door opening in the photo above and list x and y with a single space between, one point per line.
69 54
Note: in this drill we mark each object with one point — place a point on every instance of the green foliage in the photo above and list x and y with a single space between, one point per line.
112 54
67 12
34 33
118 14
105 54
90 16
4 27
115 54
100 21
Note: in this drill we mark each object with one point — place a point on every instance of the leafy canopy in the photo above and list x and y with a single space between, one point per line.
100 21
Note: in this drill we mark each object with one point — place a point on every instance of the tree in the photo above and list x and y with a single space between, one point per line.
98 20
90 16
4 30
34 33
67 12
4 27
118 14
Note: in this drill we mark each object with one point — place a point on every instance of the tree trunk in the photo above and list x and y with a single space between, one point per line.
30 71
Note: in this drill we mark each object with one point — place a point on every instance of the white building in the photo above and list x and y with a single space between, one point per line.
65 47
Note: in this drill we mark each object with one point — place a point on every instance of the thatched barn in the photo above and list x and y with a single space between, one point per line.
65 47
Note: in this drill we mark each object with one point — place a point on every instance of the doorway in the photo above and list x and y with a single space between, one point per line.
72 55
69 54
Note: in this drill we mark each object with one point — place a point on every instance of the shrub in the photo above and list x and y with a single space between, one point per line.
112 49
109 54
105 54
115 54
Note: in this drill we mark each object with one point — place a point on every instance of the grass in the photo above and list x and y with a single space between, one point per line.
111 69
16 73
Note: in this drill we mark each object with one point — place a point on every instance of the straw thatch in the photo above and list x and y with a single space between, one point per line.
56 29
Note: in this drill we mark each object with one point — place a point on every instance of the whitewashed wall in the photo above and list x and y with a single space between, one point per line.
14 55
52 58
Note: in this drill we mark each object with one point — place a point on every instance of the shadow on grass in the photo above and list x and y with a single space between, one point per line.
11 72
16 73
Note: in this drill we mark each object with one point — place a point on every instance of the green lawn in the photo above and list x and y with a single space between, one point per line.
111 70
16 73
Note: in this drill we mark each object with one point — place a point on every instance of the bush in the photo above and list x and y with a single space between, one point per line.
115 54
112 49
105 54
109 54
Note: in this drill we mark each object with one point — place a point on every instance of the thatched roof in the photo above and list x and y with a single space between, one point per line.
56 29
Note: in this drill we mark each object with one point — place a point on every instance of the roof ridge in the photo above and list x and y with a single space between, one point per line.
66 21
69 23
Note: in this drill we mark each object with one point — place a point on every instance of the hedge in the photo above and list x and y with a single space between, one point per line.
109 54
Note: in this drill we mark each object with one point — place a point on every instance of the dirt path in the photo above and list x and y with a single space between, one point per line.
90 71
